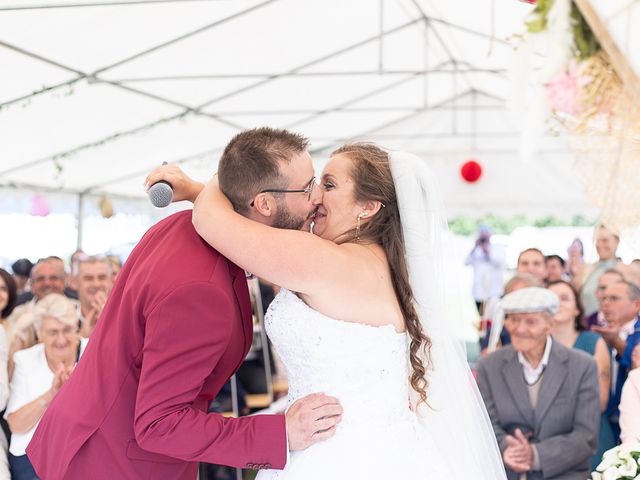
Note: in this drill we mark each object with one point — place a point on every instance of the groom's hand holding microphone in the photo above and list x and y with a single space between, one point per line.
312 419
168 183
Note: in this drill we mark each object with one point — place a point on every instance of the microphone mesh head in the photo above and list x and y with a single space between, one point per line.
160 194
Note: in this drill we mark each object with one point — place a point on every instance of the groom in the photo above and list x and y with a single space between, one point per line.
176 326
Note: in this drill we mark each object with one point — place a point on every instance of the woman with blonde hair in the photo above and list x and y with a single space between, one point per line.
40 371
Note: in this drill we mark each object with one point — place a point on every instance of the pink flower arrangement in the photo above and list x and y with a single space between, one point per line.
564 91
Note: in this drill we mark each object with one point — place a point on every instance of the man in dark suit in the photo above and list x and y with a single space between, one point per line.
543 398
176 326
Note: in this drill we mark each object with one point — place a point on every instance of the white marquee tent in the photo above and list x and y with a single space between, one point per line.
93 94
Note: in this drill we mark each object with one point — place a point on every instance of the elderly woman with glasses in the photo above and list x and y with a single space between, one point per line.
542 397
40 372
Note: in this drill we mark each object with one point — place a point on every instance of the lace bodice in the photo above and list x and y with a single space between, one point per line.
365 367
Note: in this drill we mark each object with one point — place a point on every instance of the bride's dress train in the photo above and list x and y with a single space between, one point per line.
367 369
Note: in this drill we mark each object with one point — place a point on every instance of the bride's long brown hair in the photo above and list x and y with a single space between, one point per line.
371 175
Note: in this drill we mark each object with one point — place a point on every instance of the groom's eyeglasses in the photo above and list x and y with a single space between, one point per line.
308 190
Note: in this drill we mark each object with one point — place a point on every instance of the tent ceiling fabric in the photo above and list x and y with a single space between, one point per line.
92 97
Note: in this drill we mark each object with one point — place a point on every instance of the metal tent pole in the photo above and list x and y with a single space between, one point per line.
80 220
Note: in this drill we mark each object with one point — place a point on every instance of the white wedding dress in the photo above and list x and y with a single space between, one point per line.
367 369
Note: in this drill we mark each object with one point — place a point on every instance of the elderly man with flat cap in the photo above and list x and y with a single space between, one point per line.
542 397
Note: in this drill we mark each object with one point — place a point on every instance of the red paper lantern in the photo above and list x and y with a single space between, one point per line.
471 171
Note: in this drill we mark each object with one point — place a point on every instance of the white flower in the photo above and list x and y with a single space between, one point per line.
609 459
610 473
619 462
628 468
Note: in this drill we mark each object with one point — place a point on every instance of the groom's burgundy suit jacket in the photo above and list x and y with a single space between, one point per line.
176 326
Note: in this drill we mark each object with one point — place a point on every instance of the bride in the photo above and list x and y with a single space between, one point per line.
360 316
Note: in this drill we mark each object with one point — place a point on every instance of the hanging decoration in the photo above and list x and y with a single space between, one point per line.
39 206
106 207
589 95
471 171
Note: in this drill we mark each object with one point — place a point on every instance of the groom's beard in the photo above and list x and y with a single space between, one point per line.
284 219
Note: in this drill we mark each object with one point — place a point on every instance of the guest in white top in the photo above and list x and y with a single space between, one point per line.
488 262
630 403
40 372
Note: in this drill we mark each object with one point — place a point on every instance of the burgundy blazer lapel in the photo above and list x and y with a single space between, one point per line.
244 303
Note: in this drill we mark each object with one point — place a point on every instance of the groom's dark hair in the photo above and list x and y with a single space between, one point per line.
251 163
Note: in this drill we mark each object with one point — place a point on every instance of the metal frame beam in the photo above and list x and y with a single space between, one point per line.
10 8
170 118
189 158
94 189
390 123
94 75
94 78
302 111
351 101
337 73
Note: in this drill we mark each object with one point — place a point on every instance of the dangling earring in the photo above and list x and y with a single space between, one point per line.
363 214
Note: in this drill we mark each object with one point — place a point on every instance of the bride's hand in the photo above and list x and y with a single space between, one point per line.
184 187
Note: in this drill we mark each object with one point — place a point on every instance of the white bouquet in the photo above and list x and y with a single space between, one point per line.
619 463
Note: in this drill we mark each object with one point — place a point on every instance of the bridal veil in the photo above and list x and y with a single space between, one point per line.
455 416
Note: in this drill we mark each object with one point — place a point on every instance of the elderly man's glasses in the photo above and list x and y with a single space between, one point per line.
308 190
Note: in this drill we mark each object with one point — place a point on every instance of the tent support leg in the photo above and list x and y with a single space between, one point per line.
80 220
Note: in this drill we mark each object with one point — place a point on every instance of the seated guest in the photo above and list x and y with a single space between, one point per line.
568 330
93 280
116 265
621 311
630 403
491 341
575 258
585 280
542 397
555 268
21 273
8 294
606 279
531 262
48 275
40 372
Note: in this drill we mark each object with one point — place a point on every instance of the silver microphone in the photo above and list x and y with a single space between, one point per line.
161 193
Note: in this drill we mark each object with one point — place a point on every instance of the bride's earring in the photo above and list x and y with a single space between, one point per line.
360 217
